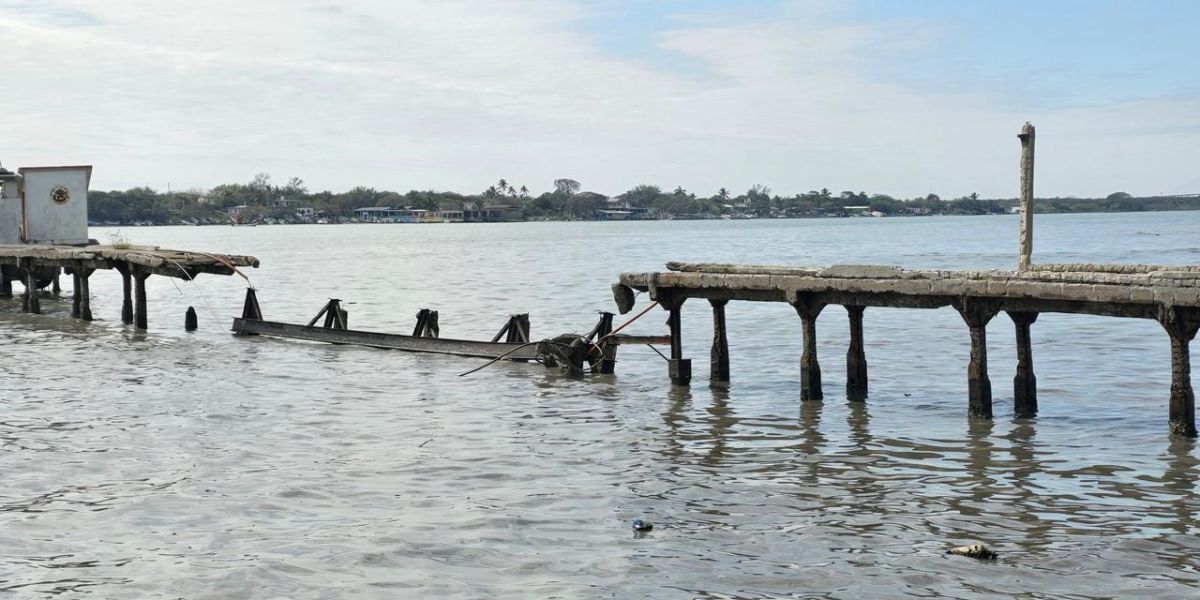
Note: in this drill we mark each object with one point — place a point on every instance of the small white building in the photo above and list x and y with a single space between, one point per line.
44 205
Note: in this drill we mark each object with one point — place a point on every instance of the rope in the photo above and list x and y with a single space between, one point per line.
498 358
629 322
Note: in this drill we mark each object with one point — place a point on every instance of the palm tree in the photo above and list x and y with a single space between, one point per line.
502 185
524 192
723 193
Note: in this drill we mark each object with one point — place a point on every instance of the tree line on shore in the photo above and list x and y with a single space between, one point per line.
260 199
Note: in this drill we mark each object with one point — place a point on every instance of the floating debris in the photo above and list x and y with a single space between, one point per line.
640 525
978 551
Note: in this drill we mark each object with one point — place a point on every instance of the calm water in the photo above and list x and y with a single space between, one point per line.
200 465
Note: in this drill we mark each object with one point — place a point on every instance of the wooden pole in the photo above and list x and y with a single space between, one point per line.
1181 325
810 369
856 357
718 373
140 318
126 293
1025 382
979 387
1027 142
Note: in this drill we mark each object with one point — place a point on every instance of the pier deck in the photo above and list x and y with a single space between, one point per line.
38 265
1170 295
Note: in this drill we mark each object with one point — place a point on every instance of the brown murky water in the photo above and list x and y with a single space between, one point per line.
168 464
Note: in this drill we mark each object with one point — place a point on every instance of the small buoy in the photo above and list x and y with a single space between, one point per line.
640 525
973 551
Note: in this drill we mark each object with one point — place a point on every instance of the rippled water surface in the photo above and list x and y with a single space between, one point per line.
200 465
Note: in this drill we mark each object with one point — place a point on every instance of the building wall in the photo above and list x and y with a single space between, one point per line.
52 221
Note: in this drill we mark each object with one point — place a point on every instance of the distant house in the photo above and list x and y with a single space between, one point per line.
282 202
372 214
492 213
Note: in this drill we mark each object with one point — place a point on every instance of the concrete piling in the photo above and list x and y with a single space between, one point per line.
718 373
1024 382
979 387
856 356
1181 325
190 322
810 369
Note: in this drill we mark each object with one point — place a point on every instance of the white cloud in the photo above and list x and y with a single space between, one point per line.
454 95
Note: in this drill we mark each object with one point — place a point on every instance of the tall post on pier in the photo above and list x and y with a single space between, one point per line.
718 374
809 308
1181 325
1024 382
856 357
1027 139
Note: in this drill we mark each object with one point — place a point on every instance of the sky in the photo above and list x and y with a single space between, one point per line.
882 96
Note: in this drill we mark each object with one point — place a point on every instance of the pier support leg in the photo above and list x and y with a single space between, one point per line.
32 304
55 286
856 357
1025 382
140 320
85 295
680 368
75 285
718 373
5 281
810 369
1181 325
126 294
977 313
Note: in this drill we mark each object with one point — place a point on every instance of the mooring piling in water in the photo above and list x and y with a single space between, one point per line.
190 320
856 356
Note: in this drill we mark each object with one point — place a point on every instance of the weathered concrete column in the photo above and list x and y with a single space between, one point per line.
32 304
85 296
140 320
679 368
977 313
808 307
718 374
75 285
5 281
1025 382
126 294
856 356
1027 139
55 286
1181 325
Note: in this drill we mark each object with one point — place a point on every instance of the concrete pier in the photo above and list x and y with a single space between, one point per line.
1170 295
36 265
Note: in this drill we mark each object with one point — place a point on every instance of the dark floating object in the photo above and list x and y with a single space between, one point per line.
974 551
190 320
640 525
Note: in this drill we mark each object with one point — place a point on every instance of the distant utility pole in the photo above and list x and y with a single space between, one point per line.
1026 136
